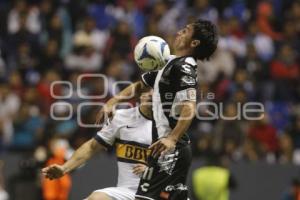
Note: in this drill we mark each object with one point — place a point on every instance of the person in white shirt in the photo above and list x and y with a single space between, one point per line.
130 133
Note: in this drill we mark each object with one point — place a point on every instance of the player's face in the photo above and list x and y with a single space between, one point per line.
146 103
184 37
146 98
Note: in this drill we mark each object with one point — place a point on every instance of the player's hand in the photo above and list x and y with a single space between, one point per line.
53 171
138 169
163 146
105 112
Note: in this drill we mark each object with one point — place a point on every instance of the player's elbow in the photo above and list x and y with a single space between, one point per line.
188 110
94 146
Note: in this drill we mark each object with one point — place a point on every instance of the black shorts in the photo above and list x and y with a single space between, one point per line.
164 173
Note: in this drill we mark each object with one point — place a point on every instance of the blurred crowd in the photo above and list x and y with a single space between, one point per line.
257 60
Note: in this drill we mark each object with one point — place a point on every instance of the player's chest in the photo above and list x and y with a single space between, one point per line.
140 132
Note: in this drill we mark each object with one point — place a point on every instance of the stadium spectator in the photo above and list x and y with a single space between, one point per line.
121 42
57 189
294 131
264 134
21 36
201 9
285 73
28 128
286 151
251 151
279 115
265 12
84 58
222 62
241 82
290 34
9 106
3 193
44 89
2 67
16 21
229 41
256 68
91 35
229 133
294 13
56 30
263 43
133 16
285 66
293 192
213 181
50 57
16 83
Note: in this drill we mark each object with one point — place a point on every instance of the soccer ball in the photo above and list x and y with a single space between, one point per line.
151 53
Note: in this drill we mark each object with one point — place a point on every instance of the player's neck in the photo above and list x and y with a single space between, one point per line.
146 112
183 52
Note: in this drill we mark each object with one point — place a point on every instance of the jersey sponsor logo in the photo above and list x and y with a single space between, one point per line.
169 95
130 152
187 69
191 94
145 187
187 81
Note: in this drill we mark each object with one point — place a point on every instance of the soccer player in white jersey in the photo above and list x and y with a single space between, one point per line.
130 132
174 104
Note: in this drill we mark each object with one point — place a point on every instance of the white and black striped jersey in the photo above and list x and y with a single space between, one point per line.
174 83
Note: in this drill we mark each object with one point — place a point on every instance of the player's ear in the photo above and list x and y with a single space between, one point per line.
195 43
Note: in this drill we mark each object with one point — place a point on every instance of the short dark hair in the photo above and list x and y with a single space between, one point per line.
206 32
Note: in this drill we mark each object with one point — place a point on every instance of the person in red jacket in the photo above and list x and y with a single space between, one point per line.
264 134
264 14
285 67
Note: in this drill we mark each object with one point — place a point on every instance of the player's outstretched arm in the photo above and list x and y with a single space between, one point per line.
168 143
81 155
134 90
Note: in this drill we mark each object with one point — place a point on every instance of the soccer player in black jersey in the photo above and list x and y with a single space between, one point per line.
173 106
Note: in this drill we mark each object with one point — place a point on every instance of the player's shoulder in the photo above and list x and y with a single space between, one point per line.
185 60
123 116
184 65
